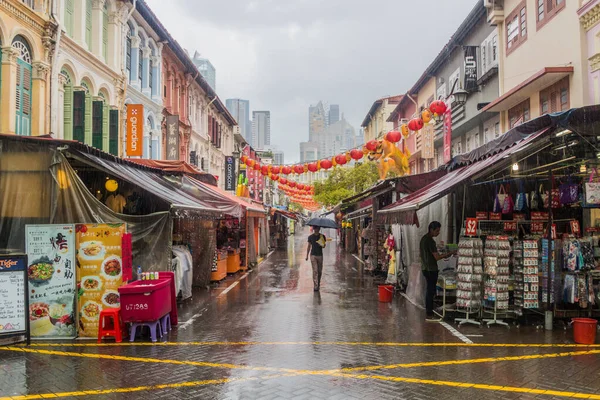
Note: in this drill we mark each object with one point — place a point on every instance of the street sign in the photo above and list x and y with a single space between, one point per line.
471 227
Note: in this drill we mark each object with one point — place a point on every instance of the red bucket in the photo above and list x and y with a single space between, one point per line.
584 330
386 292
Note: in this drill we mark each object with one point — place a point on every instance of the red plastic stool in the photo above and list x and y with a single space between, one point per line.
110 324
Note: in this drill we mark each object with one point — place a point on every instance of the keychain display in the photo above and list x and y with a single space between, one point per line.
469 273
496 267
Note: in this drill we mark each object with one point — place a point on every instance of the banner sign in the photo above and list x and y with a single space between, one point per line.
229 173
51 275
482 215
13 295
173 137
99 272
427 136
470 68
135 130
448 135
539 216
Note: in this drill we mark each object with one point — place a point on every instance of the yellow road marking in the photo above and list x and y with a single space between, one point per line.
383 344
142 388
472 361
497 388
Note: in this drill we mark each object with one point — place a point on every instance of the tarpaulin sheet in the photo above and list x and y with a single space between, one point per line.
38 186
177 166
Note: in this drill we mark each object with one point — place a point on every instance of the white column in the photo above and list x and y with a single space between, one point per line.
79 22
145 53
97 27
135 53
115 42
59 107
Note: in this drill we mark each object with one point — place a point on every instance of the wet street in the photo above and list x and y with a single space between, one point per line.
267 335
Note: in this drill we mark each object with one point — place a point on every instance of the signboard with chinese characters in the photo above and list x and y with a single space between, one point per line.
427 136
229 173
51 278
447 135
13 295
99 272
135 130
172 137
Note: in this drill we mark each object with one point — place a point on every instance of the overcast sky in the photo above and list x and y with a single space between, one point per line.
284 55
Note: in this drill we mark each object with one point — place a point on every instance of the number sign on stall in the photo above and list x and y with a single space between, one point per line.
575 230
13 296
471 227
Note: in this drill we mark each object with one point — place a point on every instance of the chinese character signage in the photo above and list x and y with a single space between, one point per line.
99 272
229 173
448 135
427 135
135 130
51 274
172 137
13 295
470 68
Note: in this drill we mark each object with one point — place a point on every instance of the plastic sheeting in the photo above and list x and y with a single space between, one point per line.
38 186
184 258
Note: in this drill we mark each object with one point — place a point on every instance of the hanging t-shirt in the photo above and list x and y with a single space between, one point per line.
116 203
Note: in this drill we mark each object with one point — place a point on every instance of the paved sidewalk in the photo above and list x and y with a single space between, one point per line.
267 335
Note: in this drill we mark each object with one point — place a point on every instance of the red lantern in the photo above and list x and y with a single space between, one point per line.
292 184
326 164
371 145
250 162
312 167
274 178
283 181
415 124
286 170
356 154
393 136
299 169
340 159
243 159
300 186
275 169
264 169
256 166
438 107
264 173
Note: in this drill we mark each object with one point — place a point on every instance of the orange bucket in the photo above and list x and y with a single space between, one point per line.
584 330
386 292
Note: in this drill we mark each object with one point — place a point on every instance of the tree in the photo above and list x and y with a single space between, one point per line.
346 182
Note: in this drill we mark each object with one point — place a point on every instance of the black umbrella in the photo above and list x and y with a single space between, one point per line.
322 223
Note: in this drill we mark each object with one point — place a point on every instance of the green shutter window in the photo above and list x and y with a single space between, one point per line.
105 126
79 116
23 99
88 24
97 124
113 146
105 32
88 118
69 11
67 107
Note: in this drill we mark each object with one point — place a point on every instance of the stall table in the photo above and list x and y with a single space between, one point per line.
233 261
221 272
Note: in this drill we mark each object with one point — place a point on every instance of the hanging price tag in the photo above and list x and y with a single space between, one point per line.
575 230
539 216
510 226
482 215
495 216
471 227
537 227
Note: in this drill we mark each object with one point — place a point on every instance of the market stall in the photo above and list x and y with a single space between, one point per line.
278 227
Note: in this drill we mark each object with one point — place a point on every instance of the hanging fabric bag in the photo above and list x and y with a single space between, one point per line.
521 202
499 199
554 196
509 205
544 198
569 192
535 202
592 191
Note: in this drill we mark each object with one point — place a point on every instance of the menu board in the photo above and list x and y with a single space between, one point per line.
13 295
99 272
51 277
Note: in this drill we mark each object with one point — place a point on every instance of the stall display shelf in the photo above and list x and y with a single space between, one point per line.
496 266
469 276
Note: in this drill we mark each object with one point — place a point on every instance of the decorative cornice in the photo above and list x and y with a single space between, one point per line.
24 14
9 55
98 4
595 62
591 18
40 70
93 63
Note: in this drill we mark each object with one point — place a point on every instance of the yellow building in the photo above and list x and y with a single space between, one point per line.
26 30
541 63
376 122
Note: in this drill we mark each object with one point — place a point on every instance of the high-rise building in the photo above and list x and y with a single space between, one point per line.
207 70
309 151
337 138
261 129
278 158
316 121
240 109
334 114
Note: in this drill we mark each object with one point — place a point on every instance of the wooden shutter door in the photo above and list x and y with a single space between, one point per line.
105 127
23 99
88 24
79 116
113 136
105 33
88 119
68 112
97 124
69 10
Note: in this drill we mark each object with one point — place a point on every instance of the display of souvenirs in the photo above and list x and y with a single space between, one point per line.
547 270
526 261
469 273
578 254
496 262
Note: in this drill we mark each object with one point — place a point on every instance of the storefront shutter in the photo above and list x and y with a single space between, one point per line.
97 124
88 24
113 146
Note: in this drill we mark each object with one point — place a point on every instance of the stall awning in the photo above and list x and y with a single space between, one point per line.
285 214
537 82
405 211
361 212
150 181
176 166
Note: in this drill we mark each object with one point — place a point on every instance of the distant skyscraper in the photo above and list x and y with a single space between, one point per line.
309 151
278 158
207 70
316 121
334 113
261 129
240 109
337 138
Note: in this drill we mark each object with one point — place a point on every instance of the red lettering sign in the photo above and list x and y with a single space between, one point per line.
495 216
510 226
471 227
539 216
482 215
575 229
537 227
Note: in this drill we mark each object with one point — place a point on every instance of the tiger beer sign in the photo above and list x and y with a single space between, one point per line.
135 130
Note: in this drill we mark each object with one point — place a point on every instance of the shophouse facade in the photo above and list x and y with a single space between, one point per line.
589 17
375 123
26 31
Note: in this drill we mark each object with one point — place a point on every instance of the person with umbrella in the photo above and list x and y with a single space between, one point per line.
316 243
